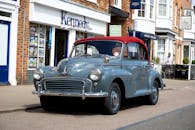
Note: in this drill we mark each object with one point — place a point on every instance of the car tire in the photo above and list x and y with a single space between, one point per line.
112 103
45 103
153 98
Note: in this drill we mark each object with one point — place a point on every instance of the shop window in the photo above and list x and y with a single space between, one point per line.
37 46
81 35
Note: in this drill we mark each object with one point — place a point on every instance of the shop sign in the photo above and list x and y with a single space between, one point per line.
74 21
115 30
135 4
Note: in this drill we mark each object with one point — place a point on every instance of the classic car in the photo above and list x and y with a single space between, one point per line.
110 68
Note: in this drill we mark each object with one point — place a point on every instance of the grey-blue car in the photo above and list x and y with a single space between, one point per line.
111 68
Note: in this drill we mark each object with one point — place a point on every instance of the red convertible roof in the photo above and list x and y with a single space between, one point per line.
124 39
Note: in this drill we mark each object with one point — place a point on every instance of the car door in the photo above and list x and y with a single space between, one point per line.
136 68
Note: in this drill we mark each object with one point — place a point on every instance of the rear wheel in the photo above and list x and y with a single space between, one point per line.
153 98
112 103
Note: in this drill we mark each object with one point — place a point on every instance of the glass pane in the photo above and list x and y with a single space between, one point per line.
3 44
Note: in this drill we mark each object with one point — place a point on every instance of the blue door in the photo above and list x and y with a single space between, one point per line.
4 51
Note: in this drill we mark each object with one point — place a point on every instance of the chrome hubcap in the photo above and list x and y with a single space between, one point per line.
115 99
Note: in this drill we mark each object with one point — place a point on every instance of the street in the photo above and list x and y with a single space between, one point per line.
177 101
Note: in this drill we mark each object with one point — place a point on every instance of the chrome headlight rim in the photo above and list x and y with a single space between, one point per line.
38 74
95 75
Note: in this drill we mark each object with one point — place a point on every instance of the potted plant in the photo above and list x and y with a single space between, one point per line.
185 60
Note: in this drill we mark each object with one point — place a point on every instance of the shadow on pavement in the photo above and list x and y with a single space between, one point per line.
76 106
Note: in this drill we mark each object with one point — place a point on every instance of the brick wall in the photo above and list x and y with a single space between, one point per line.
128 22
23 40
178 10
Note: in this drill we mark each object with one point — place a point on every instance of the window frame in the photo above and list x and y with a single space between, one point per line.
139 48
162 8
142 10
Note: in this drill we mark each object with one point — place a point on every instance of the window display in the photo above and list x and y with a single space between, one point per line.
37 46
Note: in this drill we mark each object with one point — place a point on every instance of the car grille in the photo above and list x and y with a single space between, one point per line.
64 85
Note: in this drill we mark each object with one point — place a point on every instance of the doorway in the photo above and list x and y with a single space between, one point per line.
61 41
4 51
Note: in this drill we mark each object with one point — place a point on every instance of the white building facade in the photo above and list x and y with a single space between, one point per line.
8 40
164 24
189 35
56 24
144 22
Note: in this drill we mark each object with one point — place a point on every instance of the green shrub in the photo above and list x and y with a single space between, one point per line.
185 60
193 62
156 60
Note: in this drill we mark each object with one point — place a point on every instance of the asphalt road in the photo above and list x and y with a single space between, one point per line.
181 119
175 110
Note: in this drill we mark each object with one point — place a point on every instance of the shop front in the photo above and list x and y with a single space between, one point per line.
8 40
54 29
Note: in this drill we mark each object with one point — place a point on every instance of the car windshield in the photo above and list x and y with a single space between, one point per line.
97 48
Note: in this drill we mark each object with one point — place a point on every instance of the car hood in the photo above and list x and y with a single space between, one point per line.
81 66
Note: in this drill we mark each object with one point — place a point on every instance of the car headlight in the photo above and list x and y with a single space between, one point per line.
38 74
95 75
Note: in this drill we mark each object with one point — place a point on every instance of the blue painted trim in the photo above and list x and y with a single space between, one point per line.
5 77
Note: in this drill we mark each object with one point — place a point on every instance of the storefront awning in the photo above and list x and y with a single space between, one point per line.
143 35
118 12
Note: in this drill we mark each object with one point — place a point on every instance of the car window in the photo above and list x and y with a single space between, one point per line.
142 53
112 48
133 51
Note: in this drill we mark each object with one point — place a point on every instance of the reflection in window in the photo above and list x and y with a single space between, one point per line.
95 48
133 50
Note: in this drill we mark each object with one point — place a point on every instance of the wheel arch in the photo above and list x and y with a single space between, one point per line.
121 86
159 82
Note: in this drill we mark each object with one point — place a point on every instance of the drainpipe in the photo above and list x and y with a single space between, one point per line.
23 38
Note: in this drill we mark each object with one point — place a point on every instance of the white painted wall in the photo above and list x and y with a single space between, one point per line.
11 7
52 16
145 24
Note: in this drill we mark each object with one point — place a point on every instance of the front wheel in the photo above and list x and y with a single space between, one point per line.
45 103
153 98
112 103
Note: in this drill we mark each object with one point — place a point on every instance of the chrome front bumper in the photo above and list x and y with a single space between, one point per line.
83 95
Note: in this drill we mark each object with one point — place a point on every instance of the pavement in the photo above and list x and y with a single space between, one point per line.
17 98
